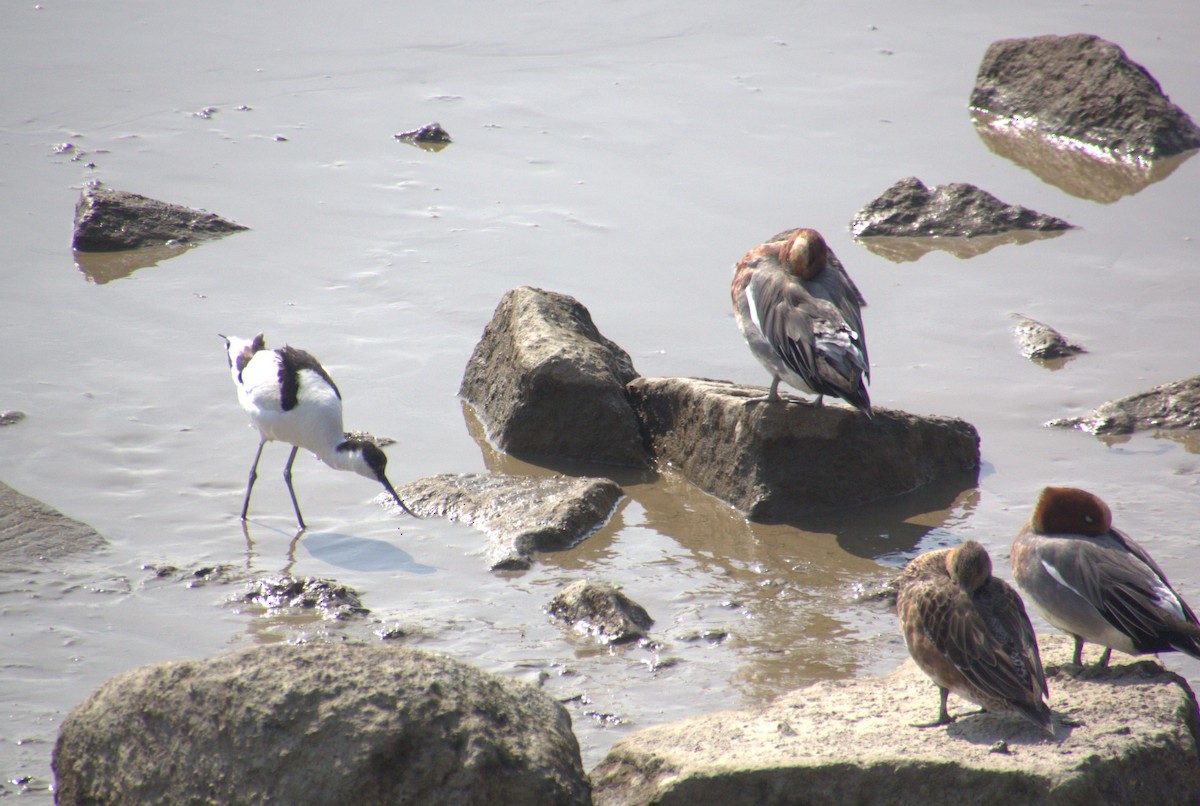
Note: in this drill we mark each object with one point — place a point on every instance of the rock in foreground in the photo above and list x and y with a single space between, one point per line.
1170 407
778 462
547 385
522 515
317 724
32 535
1129 735
1084 89
115 220
599 609
910 209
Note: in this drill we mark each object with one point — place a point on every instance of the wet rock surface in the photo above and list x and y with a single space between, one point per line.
34 536
908 249
1085 89
547 385
11 417
1125 734
332 600
521 515
115 220
911 209
780 462
599 609
198 577
430 137
1040 342
1170 407
318 723
1081 172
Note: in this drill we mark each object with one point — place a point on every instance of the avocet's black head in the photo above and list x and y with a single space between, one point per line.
374 462
376 459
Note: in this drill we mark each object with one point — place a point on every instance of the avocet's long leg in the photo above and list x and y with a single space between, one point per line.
287 476
253 476
291 398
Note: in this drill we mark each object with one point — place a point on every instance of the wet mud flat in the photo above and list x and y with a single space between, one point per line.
606 179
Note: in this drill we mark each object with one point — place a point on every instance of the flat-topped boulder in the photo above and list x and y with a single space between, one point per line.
521 515
780 461
1083 92
318 724
547 385
109 220
1121 735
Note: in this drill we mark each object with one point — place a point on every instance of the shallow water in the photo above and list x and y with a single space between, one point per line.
627 154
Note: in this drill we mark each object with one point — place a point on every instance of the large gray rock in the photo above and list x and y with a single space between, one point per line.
1170 407
114 220
910 209
32 535
318 724
600 610
547 385
1085 89
782 461
521 515
1122 735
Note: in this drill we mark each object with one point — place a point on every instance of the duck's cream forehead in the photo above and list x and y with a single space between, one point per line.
805 253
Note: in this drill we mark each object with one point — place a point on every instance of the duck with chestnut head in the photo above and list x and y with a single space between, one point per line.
800 313
1095 583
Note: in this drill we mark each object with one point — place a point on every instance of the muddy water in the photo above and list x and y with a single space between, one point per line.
626 154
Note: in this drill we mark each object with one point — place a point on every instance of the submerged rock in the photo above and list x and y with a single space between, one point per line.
1122 735
599 609
115 220
318 723
521 515
1170 407
430 137
910 209
786 460
1040 342
332 600
1084 90
547 385
32 535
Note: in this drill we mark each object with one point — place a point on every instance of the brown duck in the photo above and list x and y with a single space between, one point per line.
969 632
